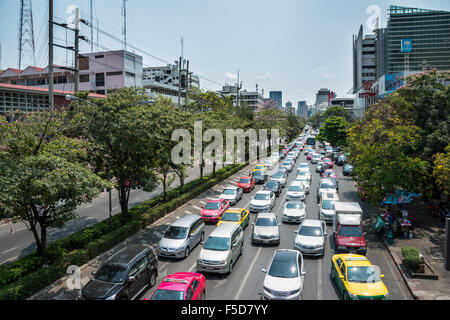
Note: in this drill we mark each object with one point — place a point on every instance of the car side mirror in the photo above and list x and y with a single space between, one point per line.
202 207
303 273
253 223
131 279
264 270
93 273
341 277
201 242
382 276
234 245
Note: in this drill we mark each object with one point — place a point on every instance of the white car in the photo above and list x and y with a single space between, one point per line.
294 211
280 176
311 237
303 165
306 183
326 206
268 163
284 276
266 228
315 158
325 186
231 194
288 164
305 174
263 201
296 191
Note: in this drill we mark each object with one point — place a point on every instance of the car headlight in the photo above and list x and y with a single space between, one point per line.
113 297
352 296
386 296
223 262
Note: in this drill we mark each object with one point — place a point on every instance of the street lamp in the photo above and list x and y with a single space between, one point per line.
71 97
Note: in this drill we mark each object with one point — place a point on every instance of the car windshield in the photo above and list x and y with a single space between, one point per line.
328 204
350 231
362 274
272 184
303 173
258 173
217 244
310 231
294 205
303 165
316 156
246 180
261 196
259 167
111 273
168 295
326 186
212 206
296 188
283 269
229 191
348 167
286 163
231 216
174 232
266 222
278 175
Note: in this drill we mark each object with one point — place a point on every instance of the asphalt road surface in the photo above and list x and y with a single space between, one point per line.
246 280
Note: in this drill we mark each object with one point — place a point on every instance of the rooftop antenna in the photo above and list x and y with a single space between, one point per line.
26 30
124 29
92 26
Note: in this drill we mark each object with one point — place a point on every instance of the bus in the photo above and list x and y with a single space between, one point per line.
311 141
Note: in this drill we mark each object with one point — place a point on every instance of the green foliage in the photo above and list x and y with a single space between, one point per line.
441 171
334 131
411 257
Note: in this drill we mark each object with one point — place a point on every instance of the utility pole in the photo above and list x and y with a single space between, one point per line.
77 49
179 83
187 84
238 88
124 30
50 55
92 26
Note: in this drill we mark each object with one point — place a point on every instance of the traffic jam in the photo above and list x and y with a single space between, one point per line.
260 220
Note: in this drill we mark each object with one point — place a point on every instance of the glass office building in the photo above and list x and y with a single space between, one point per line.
277 96
429 31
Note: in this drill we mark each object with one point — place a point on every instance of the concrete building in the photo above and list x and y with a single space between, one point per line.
253 99
347 103
289 109
277 96
302 109
364 59
322 96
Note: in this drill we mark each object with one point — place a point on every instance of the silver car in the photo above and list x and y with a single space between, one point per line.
231 194
222 248
296 191
294 211
266 229
284 276
182 236
264 200
310 238
281 177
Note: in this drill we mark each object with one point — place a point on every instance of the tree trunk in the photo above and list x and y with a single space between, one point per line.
214 169
43 243
164 185
123 200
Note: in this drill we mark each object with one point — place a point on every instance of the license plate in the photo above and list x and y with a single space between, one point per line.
265 241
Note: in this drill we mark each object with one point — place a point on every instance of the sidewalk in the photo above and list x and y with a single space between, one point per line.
428 238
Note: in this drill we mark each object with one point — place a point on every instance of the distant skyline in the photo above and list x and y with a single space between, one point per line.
293 46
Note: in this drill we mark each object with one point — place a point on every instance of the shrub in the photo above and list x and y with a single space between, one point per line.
412 257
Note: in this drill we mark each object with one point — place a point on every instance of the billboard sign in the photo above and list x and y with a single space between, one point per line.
406 46
367 94
393 81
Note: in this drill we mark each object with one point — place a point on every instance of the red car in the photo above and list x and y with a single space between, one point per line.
247 183
329 174
309 156
181 286
329 163
350 238
213 210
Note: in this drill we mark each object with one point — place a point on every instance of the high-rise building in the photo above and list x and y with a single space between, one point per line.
364 59
301 109
277 96
322 96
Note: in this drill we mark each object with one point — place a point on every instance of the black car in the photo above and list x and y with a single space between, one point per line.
348 169
124 275
341 160
274 186
260 176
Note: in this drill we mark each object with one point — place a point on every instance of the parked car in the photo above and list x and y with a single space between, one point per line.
310 238
240 216
274 186
294 211
222 249
231 194
284 276
357 279
124 275
263 201
296 191
260 176
213 210
348 170
247 183
266 229
181 286
182 236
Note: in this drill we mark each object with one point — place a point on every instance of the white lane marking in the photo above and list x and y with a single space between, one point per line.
202 202
191 269
188 212
9 250
11 259
19 229
236 297
319 281
115 207
195 207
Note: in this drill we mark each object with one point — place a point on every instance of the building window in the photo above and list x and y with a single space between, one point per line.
100 91
84 78
84 63
99 56
129 74
99 79
116 73
57 80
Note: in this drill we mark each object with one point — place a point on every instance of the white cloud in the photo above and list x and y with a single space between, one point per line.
266 75
323 71
231 76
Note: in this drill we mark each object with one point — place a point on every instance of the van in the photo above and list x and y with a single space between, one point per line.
347 210
326 206
222 249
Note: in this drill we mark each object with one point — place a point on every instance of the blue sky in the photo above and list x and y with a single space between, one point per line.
296 46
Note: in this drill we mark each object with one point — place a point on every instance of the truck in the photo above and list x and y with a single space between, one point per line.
348 233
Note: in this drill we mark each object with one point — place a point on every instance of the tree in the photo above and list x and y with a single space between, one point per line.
334 131
44 174
336 111
441 172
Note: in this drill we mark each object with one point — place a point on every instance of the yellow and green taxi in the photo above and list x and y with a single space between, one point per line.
260 167
356 278
236 215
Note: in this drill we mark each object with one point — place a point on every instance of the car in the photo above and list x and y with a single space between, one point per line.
329 173
263 200
269 163
296 191
182 236
341 160
303 166
294 211
246 183
282 169
328 162
124 275
357 279
309 156
231 194
321 167
347 170
260 167
306 183
350 238
236 215
181 286
310 238
325 185
304 174
322 154
315 158
274 186
284 276
213 210
260 176
288 165
266 229
326 206
281 177
221 249
321 145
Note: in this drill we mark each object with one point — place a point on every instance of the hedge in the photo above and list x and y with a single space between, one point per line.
412 257
23 278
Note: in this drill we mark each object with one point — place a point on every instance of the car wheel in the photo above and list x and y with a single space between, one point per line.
231 267
242 250
204 295
344 295
186 252
202 238
152 280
